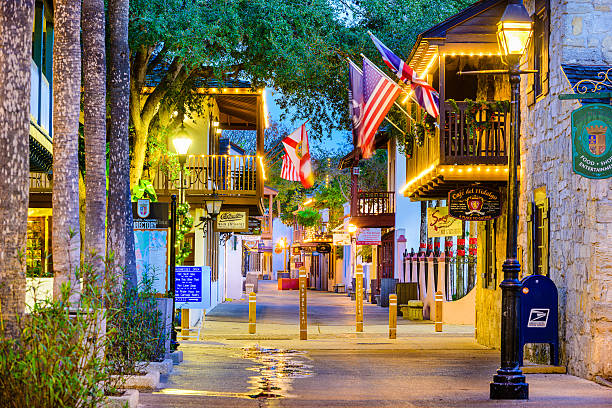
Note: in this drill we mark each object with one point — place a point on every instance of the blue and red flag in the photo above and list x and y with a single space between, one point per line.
425 95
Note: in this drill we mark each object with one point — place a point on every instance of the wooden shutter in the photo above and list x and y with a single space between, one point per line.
545 237
530 236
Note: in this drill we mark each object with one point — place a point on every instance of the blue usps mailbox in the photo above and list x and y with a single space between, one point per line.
538 305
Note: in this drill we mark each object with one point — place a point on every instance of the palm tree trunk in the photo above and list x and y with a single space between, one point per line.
66 91
120 221
16 19
94 112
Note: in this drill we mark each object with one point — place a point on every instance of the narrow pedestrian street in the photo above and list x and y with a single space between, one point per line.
337 367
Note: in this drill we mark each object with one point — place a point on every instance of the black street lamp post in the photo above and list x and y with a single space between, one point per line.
173 261
514 31
181 142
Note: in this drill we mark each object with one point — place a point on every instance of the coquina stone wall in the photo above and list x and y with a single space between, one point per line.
580 217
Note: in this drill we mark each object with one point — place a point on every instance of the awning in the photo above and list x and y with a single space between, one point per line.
590 83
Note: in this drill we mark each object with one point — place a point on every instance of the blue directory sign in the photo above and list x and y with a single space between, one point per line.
188 284
192 287
539 314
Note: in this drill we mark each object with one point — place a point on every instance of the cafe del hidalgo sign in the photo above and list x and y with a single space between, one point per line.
592 141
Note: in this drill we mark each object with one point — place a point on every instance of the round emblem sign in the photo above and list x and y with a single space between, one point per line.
474 203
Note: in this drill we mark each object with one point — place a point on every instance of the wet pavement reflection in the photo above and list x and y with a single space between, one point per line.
276 370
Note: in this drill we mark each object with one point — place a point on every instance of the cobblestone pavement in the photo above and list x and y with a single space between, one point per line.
337 367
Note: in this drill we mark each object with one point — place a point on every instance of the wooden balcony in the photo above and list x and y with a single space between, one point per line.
373 209
459 153
223 174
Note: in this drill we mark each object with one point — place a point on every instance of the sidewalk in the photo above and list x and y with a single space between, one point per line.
337 367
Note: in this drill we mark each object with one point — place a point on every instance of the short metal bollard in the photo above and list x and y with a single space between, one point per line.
359 298
392 316
252 312
303 310
439 302
184 324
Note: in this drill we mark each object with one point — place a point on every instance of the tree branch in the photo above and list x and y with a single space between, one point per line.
150 106
157 60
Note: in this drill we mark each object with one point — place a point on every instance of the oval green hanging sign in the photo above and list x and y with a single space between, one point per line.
592 141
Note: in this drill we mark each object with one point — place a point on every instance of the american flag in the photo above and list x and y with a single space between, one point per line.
425 94
379 93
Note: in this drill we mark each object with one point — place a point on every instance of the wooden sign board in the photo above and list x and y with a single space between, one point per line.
440 224
324 248
341 239
232 221
474 203
369 236
592 141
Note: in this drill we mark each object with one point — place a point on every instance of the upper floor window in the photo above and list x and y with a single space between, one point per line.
538 55
538 232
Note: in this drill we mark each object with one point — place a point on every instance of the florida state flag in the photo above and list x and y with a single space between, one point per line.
296 162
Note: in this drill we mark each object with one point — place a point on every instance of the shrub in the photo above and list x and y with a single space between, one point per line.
58 358
138 332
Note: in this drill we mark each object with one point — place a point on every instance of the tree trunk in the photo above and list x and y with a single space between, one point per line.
94 112
120 222
16 19
66 103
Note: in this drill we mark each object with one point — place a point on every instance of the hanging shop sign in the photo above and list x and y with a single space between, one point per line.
592 141
368 236
474 203
441 224
324 248
341 239
151 242
233 221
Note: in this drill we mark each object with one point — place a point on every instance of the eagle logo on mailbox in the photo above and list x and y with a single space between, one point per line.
143 208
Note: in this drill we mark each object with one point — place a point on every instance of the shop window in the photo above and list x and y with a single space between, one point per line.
489 280
539 231
538 55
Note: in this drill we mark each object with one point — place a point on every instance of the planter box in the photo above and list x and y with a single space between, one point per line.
175 356
290 284
150 381
164 367
129 397
164 306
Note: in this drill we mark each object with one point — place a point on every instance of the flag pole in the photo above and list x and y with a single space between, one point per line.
394 102
401 85
387 119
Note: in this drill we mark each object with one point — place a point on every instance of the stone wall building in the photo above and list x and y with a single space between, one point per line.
576 250
565 220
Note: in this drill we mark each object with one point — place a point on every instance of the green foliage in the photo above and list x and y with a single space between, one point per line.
58 358
144 189
308 217
480 110
139 331
183 227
